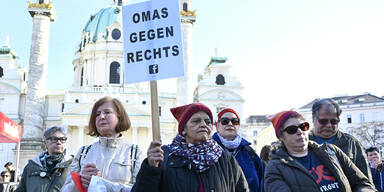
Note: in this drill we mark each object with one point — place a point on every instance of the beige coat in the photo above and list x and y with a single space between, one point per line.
114 157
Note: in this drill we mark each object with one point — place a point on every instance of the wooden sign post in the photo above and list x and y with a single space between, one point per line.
155 112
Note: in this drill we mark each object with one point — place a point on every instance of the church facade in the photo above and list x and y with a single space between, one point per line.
99 71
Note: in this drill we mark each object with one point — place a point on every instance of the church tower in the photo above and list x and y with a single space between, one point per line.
184 92
218 89
42 14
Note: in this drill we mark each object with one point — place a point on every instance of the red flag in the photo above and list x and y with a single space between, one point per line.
76 179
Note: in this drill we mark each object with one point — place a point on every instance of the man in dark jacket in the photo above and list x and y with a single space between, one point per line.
11 169
227 137
376 163
48 170
326 117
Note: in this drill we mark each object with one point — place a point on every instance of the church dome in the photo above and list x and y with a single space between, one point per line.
98 23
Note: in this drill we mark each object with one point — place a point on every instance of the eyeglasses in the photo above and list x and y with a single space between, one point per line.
55 139
225 121
326 121
293 128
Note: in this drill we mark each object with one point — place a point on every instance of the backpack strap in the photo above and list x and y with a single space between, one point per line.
252 154
259 168
133 158
83 153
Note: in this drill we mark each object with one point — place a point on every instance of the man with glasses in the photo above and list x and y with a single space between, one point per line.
5 179
326 117
227 136
48 170
376 163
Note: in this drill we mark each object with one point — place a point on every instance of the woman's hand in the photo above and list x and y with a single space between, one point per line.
89 170
155 154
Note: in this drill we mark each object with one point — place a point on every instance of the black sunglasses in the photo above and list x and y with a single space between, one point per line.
326 121
293 128
225 121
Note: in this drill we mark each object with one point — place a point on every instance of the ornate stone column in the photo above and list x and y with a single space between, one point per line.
184 92
42 14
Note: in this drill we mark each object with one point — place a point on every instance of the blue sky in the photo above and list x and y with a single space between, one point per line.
285 52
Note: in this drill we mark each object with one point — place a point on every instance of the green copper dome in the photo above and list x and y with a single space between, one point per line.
99 22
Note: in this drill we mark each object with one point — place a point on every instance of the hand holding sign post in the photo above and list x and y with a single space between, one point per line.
152 47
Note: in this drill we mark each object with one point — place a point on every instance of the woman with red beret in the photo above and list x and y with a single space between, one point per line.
301 165
192 162
227 137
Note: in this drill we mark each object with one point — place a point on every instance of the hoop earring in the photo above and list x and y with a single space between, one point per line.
184 133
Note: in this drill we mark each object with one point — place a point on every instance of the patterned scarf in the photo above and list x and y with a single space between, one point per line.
230 144
50 161
202 155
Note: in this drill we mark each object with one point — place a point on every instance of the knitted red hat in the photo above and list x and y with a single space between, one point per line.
225 111
185 112
279 118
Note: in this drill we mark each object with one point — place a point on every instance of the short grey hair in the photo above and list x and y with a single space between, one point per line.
49 131
330 103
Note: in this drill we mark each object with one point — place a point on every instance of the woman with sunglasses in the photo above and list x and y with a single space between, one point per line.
301 165
227 137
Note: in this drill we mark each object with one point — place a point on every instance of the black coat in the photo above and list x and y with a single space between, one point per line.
283 173
225 175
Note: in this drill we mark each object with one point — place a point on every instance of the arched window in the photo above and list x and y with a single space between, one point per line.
220 80
114 73
81 76
1 72
185 7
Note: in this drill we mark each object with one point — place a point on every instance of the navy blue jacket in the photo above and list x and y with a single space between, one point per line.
253 171
378 178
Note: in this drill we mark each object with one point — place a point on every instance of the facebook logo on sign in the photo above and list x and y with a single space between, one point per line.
153 69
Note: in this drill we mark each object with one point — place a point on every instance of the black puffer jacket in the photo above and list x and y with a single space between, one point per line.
283 173
225 175
353 149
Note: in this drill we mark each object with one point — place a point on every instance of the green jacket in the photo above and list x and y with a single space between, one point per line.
36 179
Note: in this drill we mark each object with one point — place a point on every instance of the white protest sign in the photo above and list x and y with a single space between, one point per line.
152 41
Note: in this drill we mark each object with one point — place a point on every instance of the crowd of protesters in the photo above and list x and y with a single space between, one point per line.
199 159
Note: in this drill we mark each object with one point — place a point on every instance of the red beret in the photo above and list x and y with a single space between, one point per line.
279 118
225 111
185 112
